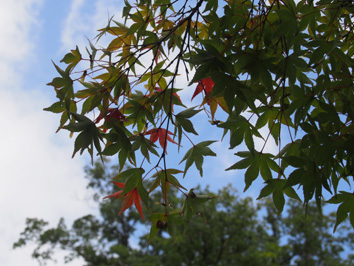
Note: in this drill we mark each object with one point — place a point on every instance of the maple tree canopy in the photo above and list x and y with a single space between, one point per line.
277 65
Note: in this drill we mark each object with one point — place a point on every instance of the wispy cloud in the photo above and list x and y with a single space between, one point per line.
17 17
84 19
38 177
76 22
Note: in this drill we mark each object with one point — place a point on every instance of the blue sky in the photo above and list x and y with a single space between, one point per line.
39 178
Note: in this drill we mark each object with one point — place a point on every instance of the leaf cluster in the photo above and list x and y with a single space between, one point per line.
279 67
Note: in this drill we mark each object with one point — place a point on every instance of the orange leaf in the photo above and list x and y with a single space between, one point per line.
118 193
111 113
137 202
115 194
116 114
118 184
213 106
160 134
129 198
127 202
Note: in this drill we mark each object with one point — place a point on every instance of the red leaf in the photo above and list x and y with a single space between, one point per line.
137 202
157 55
129 198
111 113
205 85
121 185
116 114
127 202
98 119
160 134
118 193
154 134
115 194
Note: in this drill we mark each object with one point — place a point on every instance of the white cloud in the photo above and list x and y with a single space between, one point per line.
105 11
74 23
270 147
38 177
83 21
16 19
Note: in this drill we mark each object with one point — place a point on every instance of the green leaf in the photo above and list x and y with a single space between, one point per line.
130 172
153 231
204 198
265 170
279 200
58 83
195 155
295 177
186 124
295 161
187 210
155 183
290 192
249 140
188 113
342 214
194 204
82 142
345 208
57 107
173 220
266 191
111 149
77 127
251 175
236 137
133 176
173 180
244 163
143 193
262 120
145 145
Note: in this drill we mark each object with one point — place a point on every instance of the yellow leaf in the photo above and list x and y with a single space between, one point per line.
118 31
222 103
115 44
213 106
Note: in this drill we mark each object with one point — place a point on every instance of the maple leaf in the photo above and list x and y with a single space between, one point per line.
157 55
111 113
129 198
205 85
116 114
158 89
160 134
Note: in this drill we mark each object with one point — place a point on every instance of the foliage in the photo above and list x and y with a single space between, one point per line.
236 233
277 65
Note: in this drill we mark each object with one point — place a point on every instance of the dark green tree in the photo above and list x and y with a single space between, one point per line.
236 233
310 239
228 230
